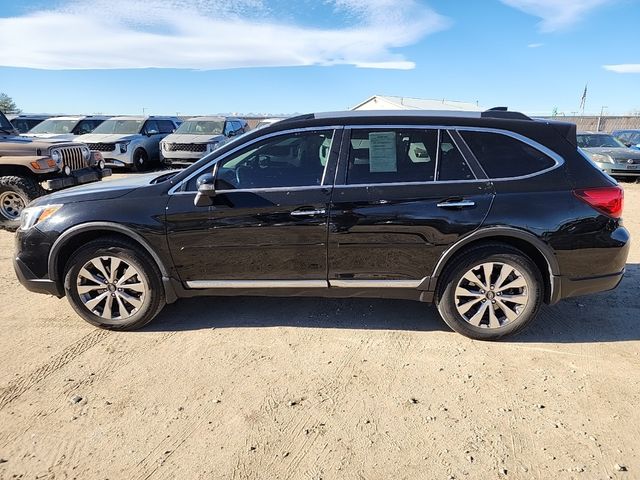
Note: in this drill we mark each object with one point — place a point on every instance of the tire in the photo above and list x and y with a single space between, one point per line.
15 195
500 317
140 160
134 302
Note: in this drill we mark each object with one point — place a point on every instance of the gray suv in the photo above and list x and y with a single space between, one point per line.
198 136
131 141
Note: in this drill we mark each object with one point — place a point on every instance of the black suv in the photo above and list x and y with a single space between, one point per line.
488 215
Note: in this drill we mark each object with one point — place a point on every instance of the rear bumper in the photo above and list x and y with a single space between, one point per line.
79 177
564 287
30 281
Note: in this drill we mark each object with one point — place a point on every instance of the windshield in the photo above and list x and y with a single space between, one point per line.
54 126
202 127
4 123
119 126
596 141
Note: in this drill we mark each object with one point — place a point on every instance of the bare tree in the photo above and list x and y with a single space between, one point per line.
7 105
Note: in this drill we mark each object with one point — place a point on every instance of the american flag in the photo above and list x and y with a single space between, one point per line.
583 100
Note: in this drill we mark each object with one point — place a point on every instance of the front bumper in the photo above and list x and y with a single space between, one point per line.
179 157
620 169
78 177
117 159
32 283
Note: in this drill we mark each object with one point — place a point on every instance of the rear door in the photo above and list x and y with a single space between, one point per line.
402 197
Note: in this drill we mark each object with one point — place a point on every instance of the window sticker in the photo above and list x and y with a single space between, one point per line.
382 152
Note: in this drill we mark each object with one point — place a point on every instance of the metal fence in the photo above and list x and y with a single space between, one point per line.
598 123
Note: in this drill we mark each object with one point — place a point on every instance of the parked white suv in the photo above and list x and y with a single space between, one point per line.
66 128
198 136
131 141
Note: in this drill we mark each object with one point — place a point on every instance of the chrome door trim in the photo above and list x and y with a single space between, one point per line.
302 213
200 284
461 204
375 283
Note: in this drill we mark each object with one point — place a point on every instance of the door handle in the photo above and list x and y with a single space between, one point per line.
457 204
303 213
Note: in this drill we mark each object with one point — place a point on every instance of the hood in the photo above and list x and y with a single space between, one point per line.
103 190
20 145
618 153
107 137
191 138
52 136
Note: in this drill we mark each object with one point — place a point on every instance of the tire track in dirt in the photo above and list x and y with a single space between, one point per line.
28 381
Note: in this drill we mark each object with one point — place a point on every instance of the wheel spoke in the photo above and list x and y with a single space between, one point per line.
107 307
519 282
473 278
493 320
94 302
114 264
477 318
86 274
136 287
487 268
123 309
505 271
128 273
136 302
508 312
520 298
465 307
82 289
97 263
463 292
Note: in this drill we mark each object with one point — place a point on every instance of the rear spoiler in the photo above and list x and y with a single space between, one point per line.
567 130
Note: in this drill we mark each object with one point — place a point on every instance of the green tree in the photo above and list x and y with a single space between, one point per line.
7 105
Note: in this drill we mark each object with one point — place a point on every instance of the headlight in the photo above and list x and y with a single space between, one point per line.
86 153
212 146
123 147
31 216
600 158
56 156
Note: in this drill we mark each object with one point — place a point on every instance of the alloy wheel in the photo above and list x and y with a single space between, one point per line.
111 288
491 295
11 205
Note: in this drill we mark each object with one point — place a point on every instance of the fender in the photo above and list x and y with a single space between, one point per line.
67 235
501 231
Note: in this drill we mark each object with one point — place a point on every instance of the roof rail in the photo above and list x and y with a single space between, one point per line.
502 112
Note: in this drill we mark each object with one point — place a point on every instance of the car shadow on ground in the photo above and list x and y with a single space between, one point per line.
606 317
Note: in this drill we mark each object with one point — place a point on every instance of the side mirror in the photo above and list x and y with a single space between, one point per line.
206 190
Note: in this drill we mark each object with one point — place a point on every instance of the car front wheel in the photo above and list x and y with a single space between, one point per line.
114 284
490 292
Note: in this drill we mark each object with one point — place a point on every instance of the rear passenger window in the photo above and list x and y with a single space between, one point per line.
503 156
390 156
452 165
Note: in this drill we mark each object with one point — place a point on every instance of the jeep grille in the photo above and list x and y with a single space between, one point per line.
186 147
102 147
73 158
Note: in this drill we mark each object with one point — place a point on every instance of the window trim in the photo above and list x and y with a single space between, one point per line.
176 189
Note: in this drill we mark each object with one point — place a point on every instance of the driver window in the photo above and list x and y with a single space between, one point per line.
292 160
151 128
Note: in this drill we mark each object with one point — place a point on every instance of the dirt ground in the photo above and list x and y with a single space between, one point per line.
249 388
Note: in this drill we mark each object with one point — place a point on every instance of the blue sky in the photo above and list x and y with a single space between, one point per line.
275 56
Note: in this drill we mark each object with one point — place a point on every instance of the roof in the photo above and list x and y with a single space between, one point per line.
212 117
143 117
80 117
384 102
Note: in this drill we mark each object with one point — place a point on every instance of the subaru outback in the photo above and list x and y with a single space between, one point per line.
486 214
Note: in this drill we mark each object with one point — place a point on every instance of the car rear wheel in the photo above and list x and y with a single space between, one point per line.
490 292
114 284
15 195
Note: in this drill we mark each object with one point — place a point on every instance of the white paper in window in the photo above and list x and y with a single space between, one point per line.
382 152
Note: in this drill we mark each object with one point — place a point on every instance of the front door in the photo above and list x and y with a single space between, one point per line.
403 196
268 222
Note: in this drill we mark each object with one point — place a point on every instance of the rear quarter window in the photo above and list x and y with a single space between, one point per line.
502 156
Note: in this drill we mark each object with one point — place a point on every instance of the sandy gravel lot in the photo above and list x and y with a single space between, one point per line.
248 388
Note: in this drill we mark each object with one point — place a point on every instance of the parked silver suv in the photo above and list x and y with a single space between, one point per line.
198 136
131 141
66 128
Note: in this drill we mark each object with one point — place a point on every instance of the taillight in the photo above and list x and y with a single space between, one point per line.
608 200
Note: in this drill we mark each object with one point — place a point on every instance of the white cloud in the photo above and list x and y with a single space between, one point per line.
557 14
213 34
623 68
535 45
